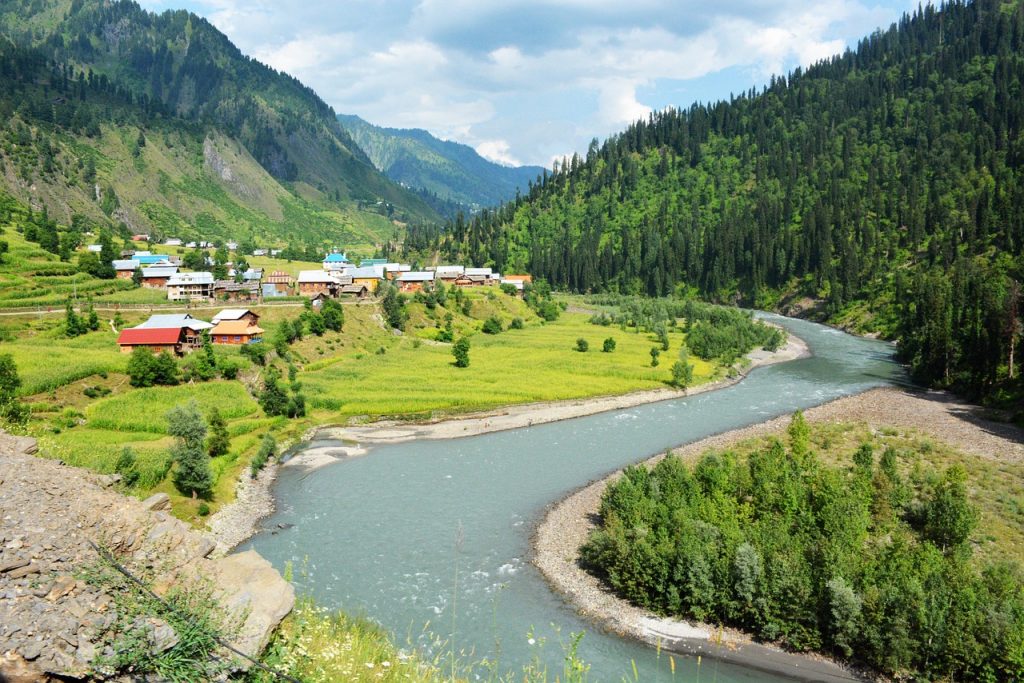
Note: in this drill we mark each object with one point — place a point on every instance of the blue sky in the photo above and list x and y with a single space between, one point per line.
528 81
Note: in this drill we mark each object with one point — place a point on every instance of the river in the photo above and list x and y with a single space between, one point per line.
437 533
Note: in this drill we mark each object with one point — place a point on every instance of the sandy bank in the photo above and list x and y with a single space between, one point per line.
567 525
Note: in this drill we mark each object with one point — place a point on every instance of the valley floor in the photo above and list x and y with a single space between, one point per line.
998 447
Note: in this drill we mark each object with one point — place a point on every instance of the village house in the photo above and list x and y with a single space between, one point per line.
232 246
517 281
190 287
229 290
281 281
369 276
316 282
95 248
172 242
415 281
241 331
449 273
168 339
354 290
393 270
140 238
259 252
367 262
246 314
175 332
146 258
253 275
156 277
125 268
335 261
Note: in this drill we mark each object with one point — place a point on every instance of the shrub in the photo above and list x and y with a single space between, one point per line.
492 325
516 324
461 352
267 449
582 345
609 345
655 353
204 509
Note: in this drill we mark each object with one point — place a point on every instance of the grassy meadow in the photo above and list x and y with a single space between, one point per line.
85 412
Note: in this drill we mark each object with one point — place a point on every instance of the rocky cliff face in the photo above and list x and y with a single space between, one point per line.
50 618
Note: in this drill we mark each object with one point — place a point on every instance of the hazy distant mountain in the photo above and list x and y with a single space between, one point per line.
449 170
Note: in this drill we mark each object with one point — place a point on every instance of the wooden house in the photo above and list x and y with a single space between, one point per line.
156 277
241 331
282 282
359 291
229 290
246 314
170 339
124 269
415 281
317 282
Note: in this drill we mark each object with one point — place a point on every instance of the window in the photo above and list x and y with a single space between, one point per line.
238 338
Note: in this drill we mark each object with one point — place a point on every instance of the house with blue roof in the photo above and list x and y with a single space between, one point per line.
336 261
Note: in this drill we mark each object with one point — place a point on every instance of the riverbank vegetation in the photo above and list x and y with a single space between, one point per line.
883 548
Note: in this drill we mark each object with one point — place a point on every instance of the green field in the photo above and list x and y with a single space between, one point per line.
84 410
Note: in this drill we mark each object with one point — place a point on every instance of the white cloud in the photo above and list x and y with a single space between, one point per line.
524 79
499 151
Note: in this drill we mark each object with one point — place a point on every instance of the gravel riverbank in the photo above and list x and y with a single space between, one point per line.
567 525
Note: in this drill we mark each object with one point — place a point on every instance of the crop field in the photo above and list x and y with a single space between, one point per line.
143 410
538 363
46 362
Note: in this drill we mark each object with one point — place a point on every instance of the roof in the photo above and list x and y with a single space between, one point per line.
238 327
372 262
231 314
135 336
523 278
311 276
478 271
175 321
253 274
279 276
353 289
336 258
148 259
416 276
201 278
159 271
125 264
449 270
368 272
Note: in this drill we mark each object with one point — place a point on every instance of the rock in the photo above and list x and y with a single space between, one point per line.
16 669
17 563
249 585
61 587
24 570
158 501
31 650
162 636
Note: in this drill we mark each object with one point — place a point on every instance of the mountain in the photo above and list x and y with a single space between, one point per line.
880 190
451 171
158 121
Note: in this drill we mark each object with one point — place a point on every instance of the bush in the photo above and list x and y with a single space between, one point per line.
582 345
146 369
655 354
267 450
492 325
461 352
609 345
516 324
204 509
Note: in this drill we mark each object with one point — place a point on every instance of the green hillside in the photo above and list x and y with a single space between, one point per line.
451 172
159 122
880 190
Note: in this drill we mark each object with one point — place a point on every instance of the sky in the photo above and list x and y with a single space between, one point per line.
530 81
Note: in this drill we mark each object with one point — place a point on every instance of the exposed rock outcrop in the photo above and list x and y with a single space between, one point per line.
50 618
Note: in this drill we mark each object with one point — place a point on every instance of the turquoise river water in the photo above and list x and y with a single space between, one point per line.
437 533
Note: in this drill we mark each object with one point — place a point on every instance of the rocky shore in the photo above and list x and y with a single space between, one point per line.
51 619
567 525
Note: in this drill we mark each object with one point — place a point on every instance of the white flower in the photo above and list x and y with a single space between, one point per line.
531 641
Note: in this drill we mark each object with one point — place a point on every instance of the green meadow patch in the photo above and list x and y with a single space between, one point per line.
143 410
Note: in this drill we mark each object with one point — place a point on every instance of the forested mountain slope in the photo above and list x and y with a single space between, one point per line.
880 188
451 171
181 125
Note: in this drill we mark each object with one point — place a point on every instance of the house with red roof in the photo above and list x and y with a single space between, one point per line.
170 339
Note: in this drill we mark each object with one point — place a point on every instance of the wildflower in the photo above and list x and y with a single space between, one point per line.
531 641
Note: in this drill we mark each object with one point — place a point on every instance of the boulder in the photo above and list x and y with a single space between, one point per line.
158 501
248 585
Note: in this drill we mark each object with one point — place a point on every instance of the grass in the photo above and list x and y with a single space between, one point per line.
143 410
996 488
538 363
